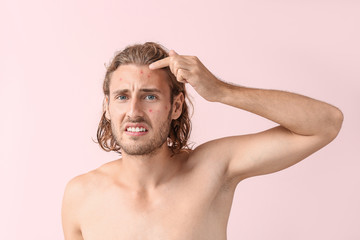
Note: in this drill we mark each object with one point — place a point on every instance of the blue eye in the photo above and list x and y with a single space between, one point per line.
121 97
150 97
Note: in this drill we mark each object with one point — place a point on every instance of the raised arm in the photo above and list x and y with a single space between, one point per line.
305 124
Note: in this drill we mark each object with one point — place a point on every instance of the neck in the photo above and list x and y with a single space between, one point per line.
147 172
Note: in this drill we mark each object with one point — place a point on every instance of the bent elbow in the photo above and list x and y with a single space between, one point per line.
336 121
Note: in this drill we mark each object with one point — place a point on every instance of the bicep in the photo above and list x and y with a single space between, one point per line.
267 152
69 213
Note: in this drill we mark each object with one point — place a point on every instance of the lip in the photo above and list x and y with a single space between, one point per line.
135 133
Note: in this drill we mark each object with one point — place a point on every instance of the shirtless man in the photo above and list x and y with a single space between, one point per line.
162 190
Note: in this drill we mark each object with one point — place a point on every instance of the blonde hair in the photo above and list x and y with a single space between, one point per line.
144 54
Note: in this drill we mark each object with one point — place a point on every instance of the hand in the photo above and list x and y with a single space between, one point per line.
189 69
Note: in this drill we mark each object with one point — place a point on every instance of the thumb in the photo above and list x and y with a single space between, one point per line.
172 53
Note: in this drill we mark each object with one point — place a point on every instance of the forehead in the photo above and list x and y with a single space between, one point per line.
134 77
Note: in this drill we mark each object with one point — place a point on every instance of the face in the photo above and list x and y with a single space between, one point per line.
139 108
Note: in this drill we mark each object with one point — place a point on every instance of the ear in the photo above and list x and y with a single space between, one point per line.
177 105
106 107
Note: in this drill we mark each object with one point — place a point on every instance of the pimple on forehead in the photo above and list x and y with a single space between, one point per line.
150 110
148 75
120 79
141 71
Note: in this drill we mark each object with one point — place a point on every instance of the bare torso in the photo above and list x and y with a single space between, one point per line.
194 205
162 199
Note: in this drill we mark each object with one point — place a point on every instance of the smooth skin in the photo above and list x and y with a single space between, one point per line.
188 195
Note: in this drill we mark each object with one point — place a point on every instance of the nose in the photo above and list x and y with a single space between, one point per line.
135 109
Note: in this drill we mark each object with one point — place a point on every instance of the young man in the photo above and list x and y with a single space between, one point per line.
159 188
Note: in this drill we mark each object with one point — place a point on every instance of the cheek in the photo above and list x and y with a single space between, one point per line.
117 111
154 111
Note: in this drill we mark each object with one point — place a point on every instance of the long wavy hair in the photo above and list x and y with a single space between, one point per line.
145 54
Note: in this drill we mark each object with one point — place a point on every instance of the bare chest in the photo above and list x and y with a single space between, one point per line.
193 208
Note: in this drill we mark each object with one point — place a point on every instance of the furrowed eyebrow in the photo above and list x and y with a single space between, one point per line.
150 90
120 91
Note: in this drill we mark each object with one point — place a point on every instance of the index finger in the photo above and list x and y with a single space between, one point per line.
160 63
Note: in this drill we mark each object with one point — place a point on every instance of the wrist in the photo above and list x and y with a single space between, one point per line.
225 91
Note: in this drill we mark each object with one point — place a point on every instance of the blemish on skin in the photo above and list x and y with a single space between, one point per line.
166 108
150 110
141 72
120 79
148 75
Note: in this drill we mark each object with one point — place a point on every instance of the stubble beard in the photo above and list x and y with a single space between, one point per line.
145 148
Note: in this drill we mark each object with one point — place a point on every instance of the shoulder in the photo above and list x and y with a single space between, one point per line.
79 186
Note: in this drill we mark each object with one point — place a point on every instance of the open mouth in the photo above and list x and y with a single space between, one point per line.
136 130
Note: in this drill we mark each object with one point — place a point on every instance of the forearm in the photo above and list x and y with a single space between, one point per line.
299 114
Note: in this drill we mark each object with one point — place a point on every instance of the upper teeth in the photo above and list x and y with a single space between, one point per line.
137 129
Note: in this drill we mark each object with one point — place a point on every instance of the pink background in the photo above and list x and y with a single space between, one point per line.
52 66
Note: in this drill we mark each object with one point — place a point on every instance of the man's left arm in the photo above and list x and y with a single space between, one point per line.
305 124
